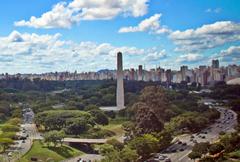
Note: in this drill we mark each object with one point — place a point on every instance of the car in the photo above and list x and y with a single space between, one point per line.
23 141
181 149
203 137
173 150
192 136
179 142
194 141
168 160
184 144
161 157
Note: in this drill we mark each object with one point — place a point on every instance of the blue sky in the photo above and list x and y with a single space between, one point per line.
84 35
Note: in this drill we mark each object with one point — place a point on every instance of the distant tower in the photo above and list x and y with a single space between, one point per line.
120 90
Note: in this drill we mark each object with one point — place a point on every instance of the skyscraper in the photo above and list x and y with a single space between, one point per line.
120 90
140 72
215 63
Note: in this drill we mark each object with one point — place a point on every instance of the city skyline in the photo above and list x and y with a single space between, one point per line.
204 75
40 37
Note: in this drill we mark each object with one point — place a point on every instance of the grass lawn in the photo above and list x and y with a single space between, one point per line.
43 153
116 127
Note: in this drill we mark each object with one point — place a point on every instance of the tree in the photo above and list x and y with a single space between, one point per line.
14 121
230 141
110 154
115 143
215 148
55 137
144 145
77 126
128 154
9 128
165 138
201 148
149 110
99 117
106 149
5 142
194 155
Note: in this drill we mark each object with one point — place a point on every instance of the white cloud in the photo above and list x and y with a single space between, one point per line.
155 56
27 52
190 58
213 10
64 15
230 55
151 25
206 37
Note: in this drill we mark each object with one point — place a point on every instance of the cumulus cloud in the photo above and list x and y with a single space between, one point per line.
190 58
151 25
63 14
154 56
232 54
40 53
206 37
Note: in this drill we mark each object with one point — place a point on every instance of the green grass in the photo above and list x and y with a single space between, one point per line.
116 126
44 153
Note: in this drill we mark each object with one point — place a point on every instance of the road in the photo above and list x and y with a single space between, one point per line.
178 152
29 131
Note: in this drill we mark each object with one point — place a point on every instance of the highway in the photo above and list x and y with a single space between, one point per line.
178 152
28 132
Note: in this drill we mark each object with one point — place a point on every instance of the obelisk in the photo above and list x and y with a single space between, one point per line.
120 89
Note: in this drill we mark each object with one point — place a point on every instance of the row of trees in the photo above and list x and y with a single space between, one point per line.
10 128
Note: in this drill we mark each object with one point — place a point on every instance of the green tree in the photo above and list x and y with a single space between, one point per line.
115 143
55 137
194 155
9 128
215 148
99 117
128 155
77 126
149 110
201 148
5 142
144 145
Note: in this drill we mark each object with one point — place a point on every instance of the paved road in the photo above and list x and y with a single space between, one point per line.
179 151
29 130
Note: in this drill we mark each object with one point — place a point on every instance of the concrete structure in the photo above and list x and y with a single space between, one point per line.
86 141
120 89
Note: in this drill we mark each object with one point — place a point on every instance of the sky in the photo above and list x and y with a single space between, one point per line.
85 35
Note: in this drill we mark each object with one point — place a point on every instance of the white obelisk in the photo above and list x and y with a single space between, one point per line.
120 89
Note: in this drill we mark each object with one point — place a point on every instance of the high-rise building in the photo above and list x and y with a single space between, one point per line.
140 72
183 72
215 63
120 89
169 76
132 74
